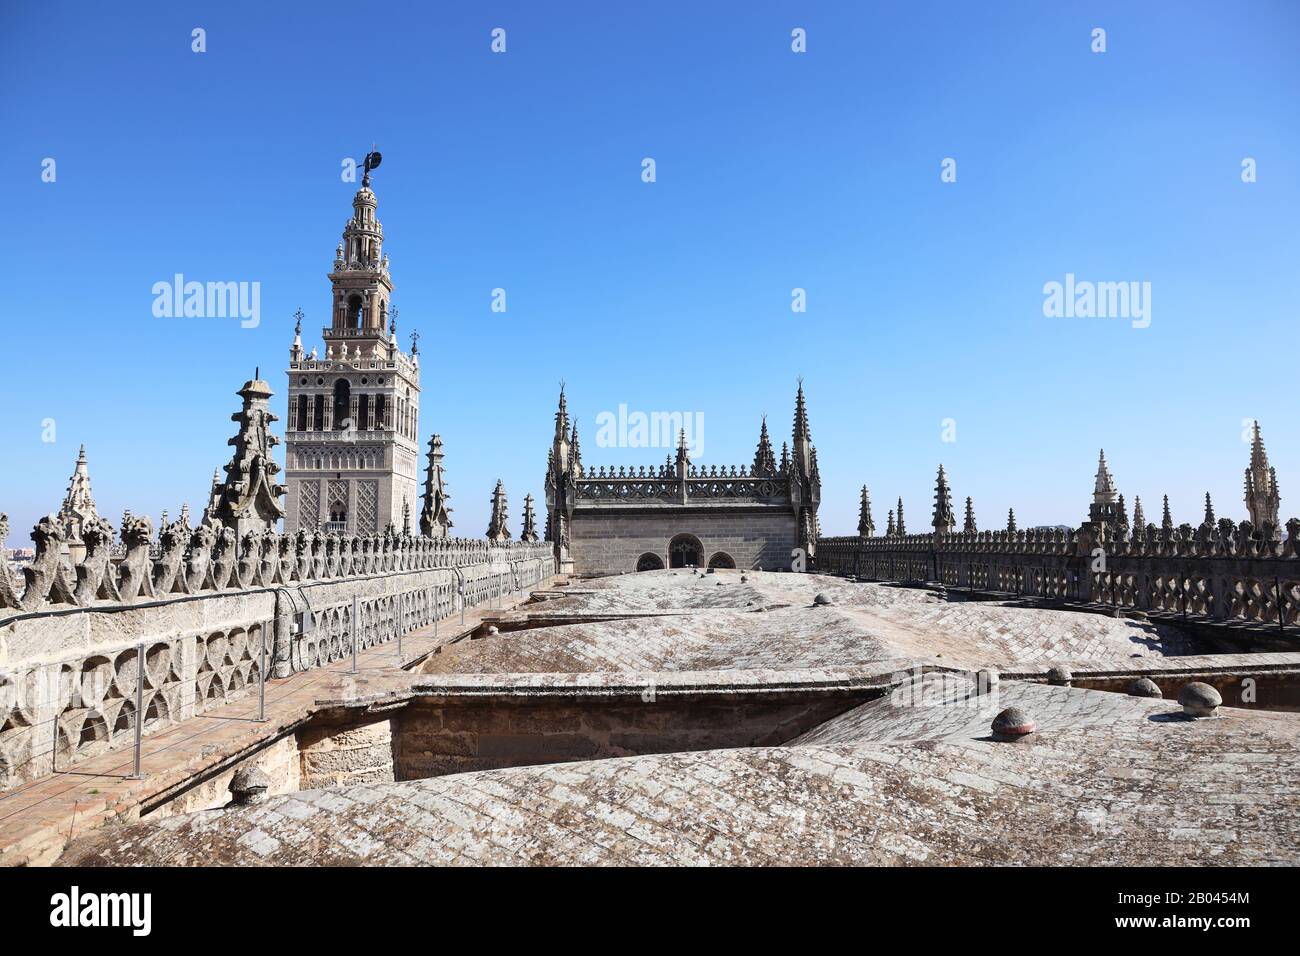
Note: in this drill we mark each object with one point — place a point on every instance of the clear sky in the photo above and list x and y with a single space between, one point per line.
775 170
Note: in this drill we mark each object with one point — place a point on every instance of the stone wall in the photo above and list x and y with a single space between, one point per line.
609 542
280 761
333 755
455 734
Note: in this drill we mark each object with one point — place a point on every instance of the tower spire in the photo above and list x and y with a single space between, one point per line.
563 466
801 429
944 521
968 526
249 498
529 532
1263 500
1011 520
866 527
499 524
78 508
1105 504
435 512
362 286
764 458
1209 511
295 350
902 529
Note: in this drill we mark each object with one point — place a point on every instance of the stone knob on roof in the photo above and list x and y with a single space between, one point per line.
1199 699
1012 724
1144 687
1060 676
248 786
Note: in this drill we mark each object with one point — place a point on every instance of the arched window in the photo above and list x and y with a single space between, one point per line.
649 562
354 312
302 413
381 411
363 412
685 551
342 404
721 559
318 422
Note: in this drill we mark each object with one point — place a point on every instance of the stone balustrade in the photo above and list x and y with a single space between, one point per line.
70 635
1222 572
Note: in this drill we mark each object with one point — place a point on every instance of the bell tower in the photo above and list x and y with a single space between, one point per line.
360 282
352 435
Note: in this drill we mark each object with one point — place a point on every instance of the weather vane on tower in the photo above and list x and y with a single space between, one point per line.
372 161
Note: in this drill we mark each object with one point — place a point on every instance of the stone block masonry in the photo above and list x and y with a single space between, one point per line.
456 733
613 542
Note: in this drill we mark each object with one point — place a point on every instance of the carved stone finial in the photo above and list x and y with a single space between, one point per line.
866 526
498 526
249 498
529 532
435 512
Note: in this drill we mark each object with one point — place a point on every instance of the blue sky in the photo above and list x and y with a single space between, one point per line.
775 170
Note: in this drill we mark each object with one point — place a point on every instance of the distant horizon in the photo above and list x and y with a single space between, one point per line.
920 185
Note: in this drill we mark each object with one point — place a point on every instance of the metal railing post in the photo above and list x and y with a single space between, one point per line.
355 630
261 673
139 708
1282 610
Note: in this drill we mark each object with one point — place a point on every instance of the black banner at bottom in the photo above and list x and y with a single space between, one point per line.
335 906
